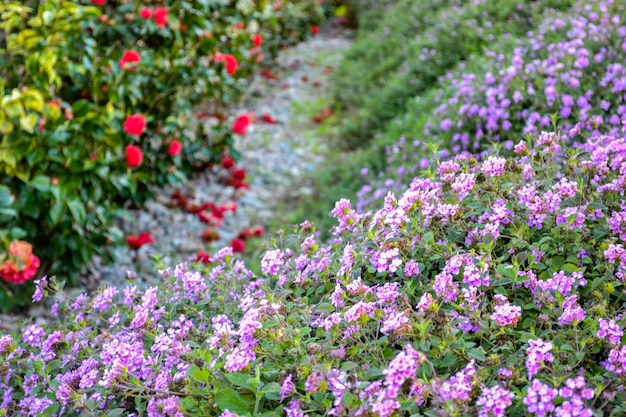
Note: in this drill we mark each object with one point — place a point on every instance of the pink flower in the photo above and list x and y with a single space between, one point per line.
130 57
175 148
134 156
160 16
240 125
146 13
230 62
135 124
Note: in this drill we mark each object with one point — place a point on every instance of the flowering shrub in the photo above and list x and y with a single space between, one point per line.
97 106
489 288
415 42
569 70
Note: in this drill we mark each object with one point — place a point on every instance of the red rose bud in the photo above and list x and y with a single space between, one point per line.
239 174
257 39
240 126
230 62
146 13
210 235
227 162
137 241
160 16
130 57
203 257
315 30
175 148
134 156
268 118
259 230
238 245
135 124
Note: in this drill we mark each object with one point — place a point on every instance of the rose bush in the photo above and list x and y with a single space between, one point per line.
98 105
489 288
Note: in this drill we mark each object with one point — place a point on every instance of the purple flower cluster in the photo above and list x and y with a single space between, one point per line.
537 354
494 401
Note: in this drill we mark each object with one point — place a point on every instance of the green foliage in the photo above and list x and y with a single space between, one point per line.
65 95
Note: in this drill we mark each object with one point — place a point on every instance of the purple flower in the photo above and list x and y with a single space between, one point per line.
494 401
537 354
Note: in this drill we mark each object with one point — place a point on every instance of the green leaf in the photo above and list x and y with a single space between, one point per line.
57 212
28 122
201 375
272 391
239 380
116 413
78 210
231 400
53 365
477 354
41 183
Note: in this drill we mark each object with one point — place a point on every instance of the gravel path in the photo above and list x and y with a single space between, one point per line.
277 157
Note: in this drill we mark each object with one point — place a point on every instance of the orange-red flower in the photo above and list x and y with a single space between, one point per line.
134 156
230 62
130 57
137 241
22 264
135 124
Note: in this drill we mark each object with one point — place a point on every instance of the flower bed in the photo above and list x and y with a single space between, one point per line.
492 287
569 70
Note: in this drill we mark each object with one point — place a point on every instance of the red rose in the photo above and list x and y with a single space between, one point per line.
130 57
146 13
239 174
257 39
227 162
240 25
174 148
134 156
98 2
259 230
203 257
238 245
268 118
240 125
22 264
160 16
230 62
137 241
315 30
135 124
